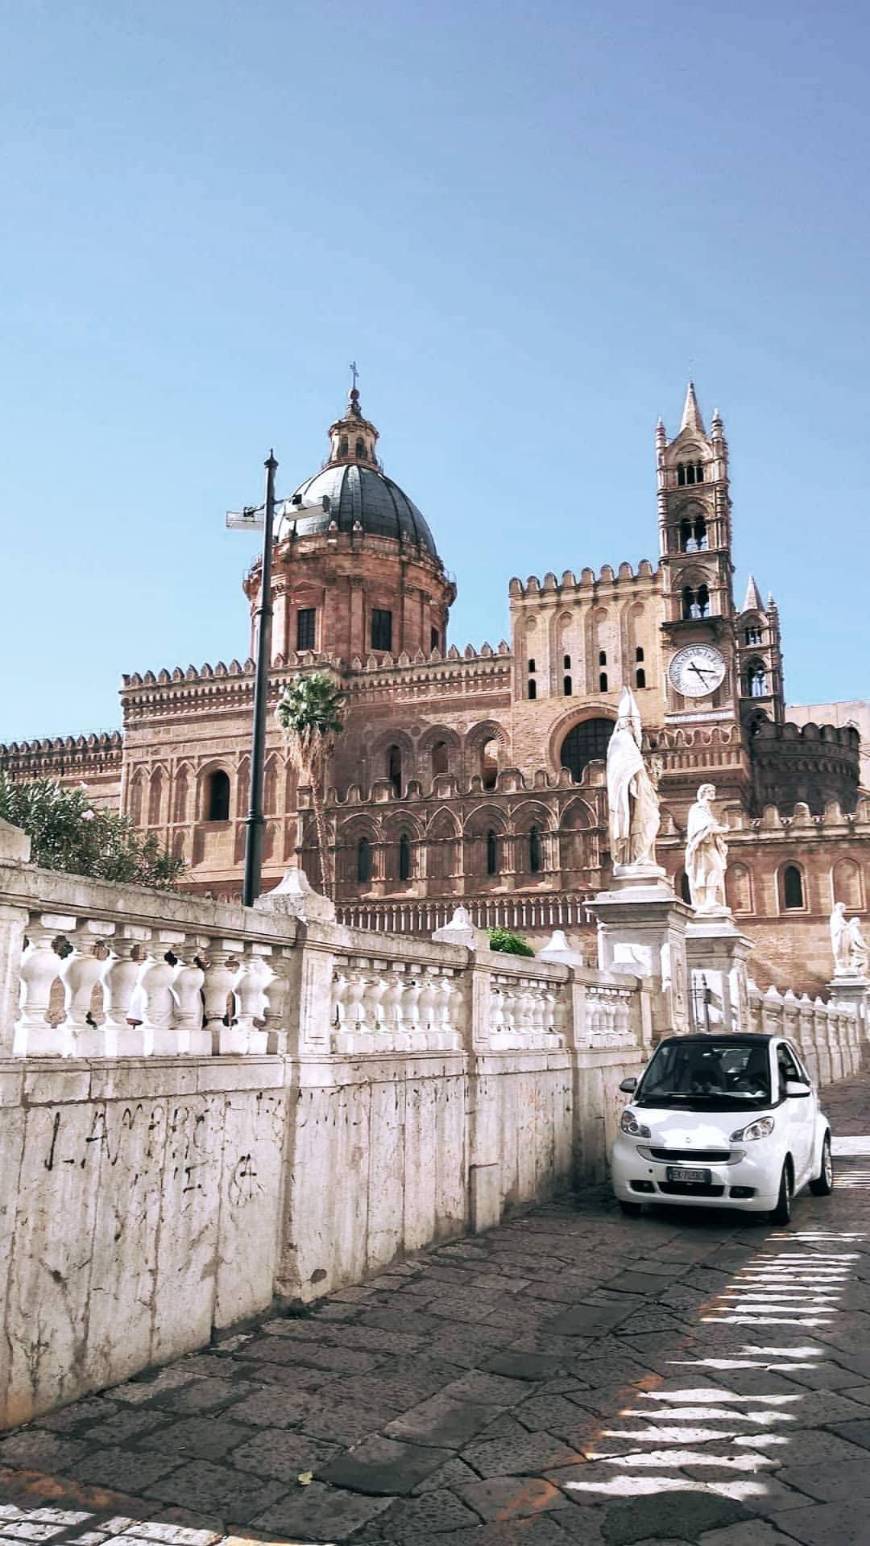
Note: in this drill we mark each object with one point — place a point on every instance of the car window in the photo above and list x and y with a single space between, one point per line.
707 1074
801 1065
787 1066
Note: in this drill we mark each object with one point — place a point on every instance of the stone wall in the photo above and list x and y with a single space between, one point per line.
204 1108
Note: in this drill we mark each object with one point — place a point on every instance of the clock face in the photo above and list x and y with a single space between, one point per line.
697 670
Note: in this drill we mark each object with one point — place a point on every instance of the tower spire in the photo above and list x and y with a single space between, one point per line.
691 412
752 599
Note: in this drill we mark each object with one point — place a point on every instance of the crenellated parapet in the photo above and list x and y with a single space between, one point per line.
570 587
811 764
63 756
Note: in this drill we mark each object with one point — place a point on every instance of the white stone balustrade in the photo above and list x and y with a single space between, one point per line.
394 1005
826 1033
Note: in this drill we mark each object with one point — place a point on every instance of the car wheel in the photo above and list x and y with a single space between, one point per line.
822 1185
630 1209
781 1214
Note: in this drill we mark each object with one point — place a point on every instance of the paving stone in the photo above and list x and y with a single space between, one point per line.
277 1453
442 1420
857 1432
127 1424
41 1450
320 1513
272 1408
345 1422
452 1474
501 1497
525 1366
316 1356
219 1492
203 1395
491 1389
438 1512
757 1533
531 1454
173 1535
209 1438
683 1514
124 1470
829 1481
135 1392
826 1524
80 1414
381 1466
555 1414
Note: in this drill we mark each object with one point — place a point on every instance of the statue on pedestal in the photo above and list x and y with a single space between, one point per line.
847 943
633 805
706 854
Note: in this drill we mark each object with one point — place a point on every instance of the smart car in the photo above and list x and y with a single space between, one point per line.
725 1122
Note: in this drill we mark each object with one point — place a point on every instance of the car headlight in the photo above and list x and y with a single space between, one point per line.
629 1124
759 1129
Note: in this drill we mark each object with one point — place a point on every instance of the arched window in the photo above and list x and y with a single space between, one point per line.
155 798
638 654
491 853
535 851
738 888
217 803
566 662
640 677
531 666
696 603
394 768
404 857
489 764
363 861
752 634
602 657
792 887
270 788
342 446
703 601
685 888
533 687
360 449
846 882
566 686
181 793
756 680
136 796
434 639
440 758
699 473
602 682
587 742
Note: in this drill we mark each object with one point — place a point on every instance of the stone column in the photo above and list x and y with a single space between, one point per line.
849 989
642 930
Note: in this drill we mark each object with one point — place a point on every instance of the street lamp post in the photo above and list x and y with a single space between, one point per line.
255 519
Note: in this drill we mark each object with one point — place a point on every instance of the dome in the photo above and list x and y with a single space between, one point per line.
352 490
356 493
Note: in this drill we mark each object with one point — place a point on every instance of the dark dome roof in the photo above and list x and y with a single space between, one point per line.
356 493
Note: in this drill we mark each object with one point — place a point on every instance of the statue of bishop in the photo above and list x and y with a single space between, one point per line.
633 805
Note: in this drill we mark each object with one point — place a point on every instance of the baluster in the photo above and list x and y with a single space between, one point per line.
193 1036
342 1026
218 986
411 1013
244 1035
153 993
496 1014
548 1015
428 1030
375 988
355 1011
391 1009
276 996
40 970
79 973
118 975
444 1037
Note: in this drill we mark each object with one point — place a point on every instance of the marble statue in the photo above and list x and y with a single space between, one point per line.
633 805
848 944
840 938
706 854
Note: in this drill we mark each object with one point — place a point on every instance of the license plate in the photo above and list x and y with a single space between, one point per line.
689 1173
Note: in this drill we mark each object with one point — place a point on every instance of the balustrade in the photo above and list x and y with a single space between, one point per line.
399 1006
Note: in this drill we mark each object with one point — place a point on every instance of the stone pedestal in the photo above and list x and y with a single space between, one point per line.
461 931
295 897
642 930
716 955
559 949
850 989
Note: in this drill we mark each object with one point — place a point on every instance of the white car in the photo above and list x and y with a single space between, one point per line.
724 1122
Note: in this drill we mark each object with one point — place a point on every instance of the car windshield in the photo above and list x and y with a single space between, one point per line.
709 1074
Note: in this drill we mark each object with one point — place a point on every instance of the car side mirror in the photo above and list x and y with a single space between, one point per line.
628 1086
795 1089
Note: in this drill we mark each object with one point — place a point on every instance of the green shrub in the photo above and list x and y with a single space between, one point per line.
67 833
511 944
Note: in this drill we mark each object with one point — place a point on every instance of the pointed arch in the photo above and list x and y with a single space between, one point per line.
155 798
738 888
181 794
846 884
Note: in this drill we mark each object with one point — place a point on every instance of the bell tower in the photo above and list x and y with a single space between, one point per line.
694 508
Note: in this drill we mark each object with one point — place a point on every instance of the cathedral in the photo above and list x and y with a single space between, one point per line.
477 775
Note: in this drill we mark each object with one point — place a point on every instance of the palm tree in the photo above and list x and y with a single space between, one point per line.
310 713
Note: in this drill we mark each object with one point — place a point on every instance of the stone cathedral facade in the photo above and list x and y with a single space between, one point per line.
478 775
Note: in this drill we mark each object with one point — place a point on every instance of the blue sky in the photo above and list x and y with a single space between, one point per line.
528 222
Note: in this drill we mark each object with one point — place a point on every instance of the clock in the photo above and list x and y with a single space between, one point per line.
697 670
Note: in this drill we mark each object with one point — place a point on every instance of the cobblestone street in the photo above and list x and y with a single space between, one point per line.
573 1376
